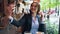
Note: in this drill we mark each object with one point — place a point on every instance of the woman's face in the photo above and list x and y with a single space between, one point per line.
34 8
9 9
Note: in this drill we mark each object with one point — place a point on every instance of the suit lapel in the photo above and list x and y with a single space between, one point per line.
30 20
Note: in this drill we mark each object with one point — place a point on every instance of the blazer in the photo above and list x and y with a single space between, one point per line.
26 23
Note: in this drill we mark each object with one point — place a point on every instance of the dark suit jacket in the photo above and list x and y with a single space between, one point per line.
26 23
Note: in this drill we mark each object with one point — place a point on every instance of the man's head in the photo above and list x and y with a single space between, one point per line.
9 8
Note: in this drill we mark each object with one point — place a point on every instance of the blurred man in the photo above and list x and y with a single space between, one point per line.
7 27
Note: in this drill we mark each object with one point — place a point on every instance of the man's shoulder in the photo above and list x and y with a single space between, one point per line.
27 14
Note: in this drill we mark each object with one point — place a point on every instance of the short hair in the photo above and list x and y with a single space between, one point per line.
38 6
10 2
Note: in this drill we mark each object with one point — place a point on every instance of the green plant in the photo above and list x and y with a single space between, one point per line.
51 28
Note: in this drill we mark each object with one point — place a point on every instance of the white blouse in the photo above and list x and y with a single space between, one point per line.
35 26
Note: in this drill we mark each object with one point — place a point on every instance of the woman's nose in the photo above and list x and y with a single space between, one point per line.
33 7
